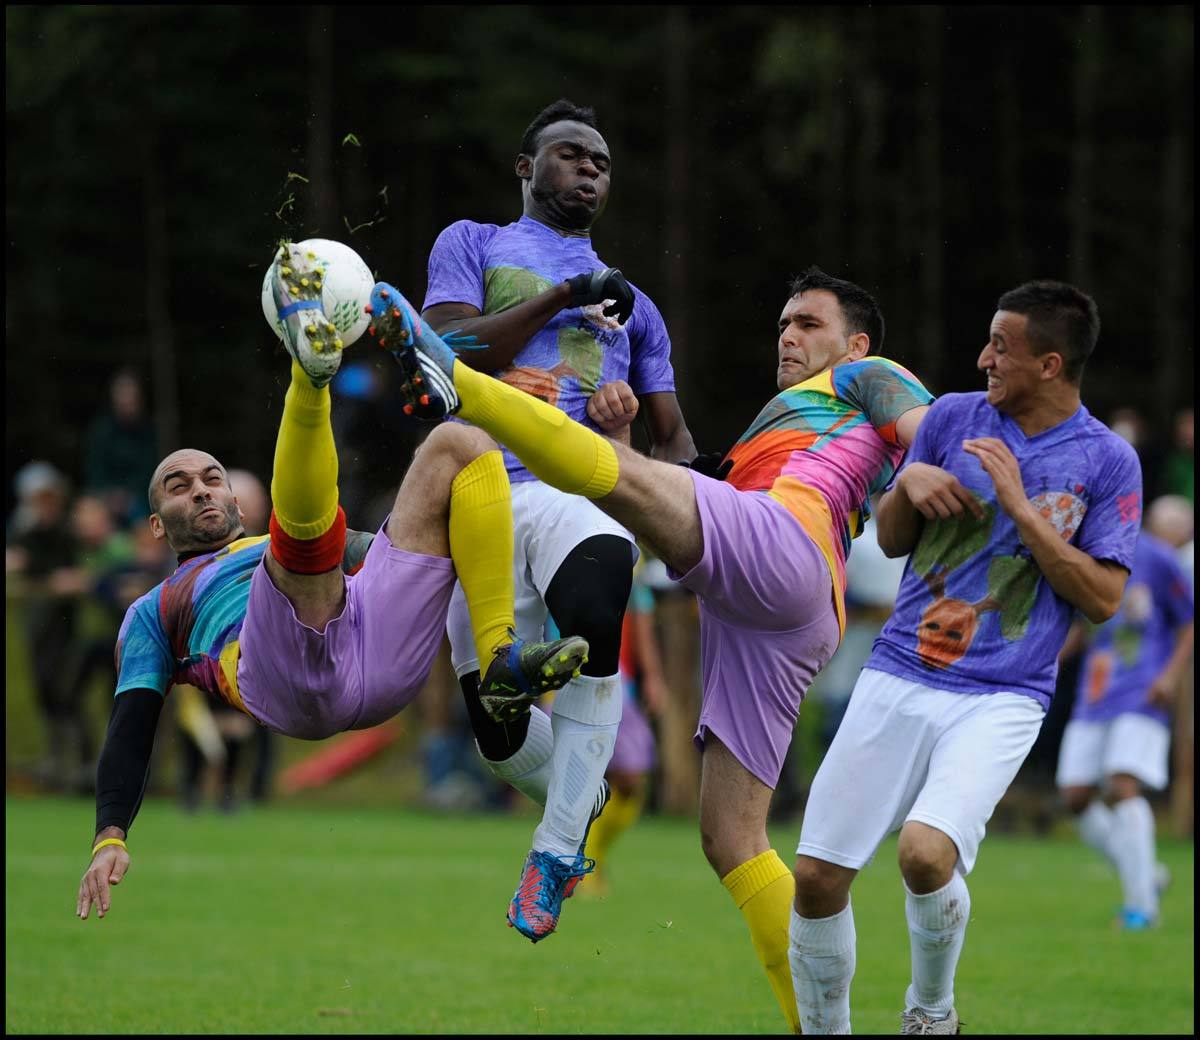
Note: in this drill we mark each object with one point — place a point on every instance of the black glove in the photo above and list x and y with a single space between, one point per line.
598 286
713 464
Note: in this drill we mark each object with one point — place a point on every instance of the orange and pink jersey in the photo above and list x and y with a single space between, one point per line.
822 448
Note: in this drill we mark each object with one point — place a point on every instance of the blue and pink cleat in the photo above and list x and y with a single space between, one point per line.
423 356
538 900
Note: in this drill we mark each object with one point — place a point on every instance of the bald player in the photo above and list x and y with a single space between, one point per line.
311 629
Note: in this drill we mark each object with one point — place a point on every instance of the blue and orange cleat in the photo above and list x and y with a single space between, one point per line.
522 672
538 900
426 361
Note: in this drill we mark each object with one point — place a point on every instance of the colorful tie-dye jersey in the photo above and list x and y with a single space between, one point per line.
823 447
186 629
579 350
1130 650
974 613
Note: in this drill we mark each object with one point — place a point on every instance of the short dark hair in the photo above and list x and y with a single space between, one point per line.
555 113
859 307
1062 319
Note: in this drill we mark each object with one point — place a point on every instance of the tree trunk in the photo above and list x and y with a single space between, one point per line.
929 148
158 296
1173 364
322 191
678 246
1088 70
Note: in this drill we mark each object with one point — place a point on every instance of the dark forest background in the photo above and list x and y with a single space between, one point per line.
937 155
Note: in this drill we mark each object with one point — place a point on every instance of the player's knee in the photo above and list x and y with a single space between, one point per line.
1123 786
816 880
723 848
457 441
1076 799
624 783
927 858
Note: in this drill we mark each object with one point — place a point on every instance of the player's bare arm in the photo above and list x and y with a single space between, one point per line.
502 336
670 439
1094 586
921 492
505 333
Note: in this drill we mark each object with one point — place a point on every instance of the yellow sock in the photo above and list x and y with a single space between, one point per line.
304 493
557 450
622 810
481 545
763 889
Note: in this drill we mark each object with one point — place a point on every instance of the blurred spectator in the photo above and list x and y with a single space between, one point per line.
104 558
40 558
122 451
253 501
1130 426
215 734
1171 519
1179 470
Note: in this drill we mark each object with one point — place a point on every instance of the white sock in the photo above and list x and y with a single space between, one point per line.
587 712
1133 846
1096 827
528 768
822 954
937 926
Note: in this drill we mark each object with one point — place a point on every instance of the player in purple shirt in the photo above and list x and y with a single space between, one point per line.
1119 734
532 303
1018 508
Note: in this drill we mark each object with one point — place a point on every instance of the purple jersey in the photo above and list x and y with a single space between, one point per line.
974 614
579 350
1130 650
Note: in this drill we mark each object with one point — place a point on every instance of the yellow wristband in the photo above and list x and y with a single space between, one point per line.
109 841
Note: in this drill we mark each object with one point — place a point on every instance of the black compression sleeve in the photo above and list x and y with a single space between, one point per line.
124 763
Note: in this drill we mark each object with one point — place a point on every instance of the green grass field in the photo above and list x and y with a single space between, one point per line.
334 920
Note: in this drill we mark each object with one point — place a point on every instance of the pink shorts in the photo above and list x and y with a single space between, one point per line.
368 664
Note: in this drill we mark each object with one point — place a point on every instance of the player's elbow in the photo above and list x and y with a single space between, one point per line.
891 543
894 550
1102 609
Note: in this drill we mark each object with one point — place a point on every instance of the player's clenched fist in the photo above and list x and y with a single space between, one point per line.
936 494
598 286
109 865
613 406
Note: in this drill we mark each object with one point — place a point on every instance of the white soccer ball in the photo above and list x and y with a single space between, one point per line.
345 291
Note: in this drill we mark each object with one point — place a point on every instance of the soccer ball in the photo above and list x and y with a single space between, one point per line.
345 291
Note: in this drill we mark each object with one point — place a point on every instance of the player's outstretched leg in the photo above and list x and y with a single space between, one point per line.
308 527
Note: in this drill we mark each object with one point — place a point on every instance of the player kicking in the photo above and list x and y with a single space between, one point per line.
1119 734
312 629
764 551
1018 508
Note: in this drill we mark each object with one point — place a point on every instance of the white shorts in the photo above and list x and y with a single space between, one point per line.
547 525
906 751
1130 743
